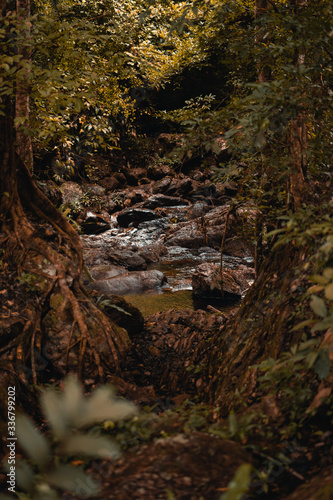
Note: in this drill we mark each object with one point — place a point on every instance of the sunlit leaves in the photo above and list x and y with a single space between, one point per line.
71 409
69 414
32 441
240 483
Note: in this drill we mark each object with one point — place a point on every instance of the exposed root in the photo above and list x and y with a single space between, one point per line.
26 250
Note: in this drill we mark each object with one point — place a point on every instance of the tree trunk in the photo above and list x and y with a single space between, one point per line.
44 306
297 148
298 137
22 97
259 330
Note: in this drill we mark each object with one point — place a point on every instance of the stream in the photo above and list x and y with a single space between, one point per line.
176 263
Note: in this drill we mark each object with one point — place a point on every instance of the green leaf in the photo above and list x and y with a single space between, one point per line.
275 231
69 477
232 424
318 306
328 273
315 289
317 278
103 405
323 364
43 491
301 325
311 358
323 325
98 447
53 411
73 400
239 485
32 441
329 291
113 306
24 475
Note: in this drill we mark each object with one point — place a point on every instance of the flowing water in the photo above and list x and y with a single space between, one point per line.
178 264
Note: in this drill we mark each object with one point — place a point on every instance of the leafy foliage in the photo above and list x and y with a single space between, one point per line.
46 468
239 485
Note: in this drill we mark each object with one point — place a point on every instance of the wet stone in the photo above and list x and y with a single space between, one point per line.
94 224
160 200
135 216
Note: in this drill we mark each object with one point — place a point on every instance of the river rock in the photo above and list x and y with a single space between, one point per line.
113 204
162 185
206 282
187 234
102 272
205 230
135 216
123 314
160 200
199 209
110 183
96 189
208 230
94 224
130 283
180 187
157 172
153 253
127 258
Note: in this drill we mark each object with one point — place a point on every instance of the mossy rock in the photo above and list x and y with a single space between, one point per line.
124 314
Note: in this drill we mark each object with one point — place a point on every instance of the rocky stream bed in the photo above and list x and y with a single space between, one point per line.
152 252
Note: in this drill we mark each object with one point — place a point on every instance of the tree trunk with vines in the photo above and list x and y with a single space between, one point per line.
42 295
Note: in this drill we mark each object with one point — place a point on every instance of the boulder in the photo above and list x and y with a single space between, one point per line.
187 234
199 209
152 253
135 216
110 183
113 204
160 200
208 230
135 196
115 181
158 171
162 185
94 224
127 258
123 314
95 189
180 187
130 283
102 272
206 282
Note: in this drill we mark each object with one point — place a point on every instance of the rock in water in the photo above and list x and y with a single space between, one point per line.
132 282
206 282
94 224
135 216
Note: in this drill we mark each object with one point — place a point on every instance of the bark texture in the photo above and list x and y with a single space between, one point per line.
41 254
